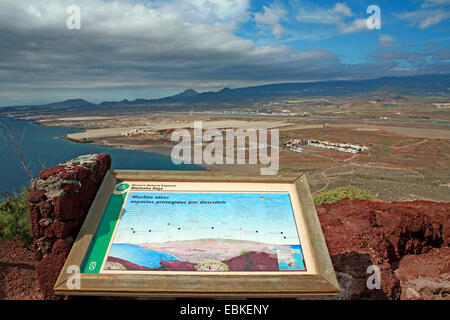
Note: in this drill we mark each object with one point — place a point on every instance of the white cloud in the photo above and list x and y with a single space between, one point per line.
432 3
386 41
314 14
433 19
357 25
342 9
338 15
271 18
218 9
146 49
126 45
430 13
424 19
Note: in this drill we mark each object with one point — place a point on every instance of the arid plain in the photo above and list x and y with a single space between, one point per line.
407 138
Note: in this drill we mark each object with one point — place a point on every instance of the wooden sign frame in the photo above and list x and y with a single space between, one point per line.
320 280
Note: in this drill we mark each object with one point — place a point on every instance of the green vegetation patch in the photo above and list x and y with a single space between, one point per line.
334 195
14 219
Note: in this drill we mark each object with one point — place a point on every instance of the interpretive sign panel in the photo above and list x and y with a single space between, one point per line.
201 234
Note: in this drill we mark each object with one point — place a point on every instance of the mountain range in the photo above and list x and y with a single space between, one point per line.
414 85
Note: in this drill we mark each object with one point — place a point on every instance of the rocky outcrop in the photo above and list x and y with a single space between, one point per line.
59 201
425 276
407 241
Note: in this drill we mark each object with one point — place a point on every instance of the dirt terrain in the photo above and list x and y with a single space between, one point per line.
17 275
395 167
402 163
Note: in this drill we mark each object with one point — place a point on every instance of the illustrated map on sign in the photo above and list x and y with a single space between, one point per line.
202 231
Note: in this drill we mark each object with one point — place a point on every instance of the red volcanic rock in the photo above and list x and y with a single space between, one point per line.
92 166
83 214
60 229
61 247
363 233
46 208
71 187
104 161
45 222
77 173
96 176
425 276
58 203
42 246
260 261
35 216
47 173
36 195
67 207
176 266
87 192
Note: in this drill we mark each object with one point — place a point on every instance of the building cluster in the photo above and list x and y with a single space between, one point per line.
257 112
147 131
442 105
137 132
295 145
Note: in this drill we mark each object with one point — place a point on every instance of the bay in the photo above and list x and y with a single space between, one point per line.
45 145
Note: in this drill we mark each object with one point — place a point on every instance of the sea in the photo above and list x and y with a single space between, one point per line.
139 255
45 147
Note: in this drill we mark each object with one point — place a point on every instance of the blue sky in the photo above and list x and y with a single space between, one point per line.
150 49
403 27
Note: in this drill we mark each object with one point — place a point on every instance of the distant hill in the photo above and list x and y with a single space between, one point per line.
186 93
414 85
71 103
424 85
431 84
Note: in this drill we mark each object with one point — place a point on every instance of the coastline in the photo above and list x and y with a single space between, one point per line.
47 146
166 150
160 149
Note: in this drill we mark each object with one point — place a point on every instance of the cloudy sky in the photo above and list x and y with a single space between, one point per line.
150 49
